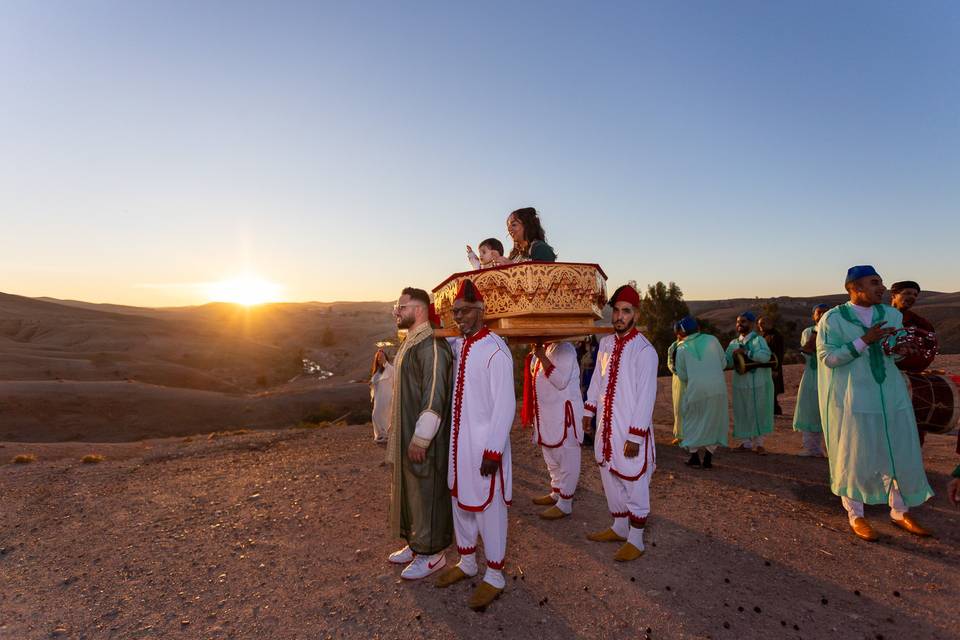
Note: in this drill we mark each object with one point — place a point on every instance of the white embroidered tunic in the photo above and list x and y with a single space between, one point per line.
558 407
484 405
622 394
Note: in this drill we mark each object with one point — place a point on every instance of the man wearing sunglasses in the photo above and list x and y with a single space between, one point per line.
419 440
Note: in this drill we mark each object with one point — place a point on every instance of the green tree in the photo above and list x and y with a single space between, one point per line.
660 307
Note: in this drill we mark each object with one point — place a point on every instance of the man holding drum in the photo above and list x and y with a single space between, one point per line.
904 295
868 421
753 389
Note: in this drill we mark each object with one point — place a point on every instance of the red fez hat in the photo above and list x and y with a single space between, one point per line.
468 291
627 294
434 316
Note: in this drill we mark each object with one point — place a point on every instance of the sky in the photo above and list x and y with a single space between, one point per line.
345 150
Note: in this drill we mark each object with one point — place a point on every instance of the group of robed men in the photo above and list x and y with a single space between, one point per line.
453 408
851 396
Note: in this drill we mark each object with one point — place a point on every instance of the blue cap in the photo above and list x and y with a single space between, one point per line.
860 271
819 306
749 315
688 325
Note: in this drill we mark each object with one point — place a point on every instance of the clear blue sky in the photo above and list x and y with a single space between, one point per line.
345 150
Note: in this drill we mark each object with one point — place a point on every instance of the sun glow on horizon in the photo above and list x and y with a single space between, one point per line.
247 290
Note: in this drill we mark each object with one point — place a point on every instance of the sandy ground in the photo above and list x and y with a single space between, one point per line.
281 534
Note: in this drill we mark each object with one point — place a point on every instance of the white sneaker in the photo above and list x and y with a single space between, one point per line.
404 556
422 566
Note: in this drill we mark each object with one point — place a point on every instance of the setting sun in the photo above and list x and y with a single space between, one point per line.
247 290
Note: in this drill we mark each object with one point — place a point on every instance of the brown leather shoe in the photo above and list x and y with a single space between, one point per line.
607 535
911 525
451 576
483 595
546 500
627 552
553 513
863 530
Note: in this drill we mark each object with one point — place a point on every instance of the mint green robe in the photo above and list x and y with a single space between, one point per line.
752 391
676 387
806 416
868 420
699 361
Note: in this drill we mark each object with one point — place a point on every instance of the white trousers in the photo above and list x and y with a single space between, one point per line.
563 463
813 442
491 525
626 499
897 507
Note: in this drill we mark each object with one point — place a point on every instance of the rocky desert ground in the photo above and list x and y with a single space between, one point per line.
281 533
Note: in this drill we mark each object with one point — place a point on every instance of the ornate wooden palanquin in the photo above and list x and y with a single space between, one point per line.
532 300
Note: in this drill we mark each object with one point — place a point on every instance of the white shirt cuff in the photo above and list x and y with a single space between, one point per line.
859 345
427 425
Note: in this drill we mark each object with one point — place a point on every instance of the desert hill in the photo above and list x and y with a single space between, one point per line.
72 370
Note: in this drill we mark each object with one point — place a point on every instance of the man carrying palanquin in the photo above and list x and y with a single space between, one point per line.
557 418
622 395
868 421
419 440
480 471
698 363
753 390
806 415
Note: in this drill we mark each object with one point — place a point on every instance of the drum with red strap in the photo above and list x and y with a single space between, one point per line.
936 402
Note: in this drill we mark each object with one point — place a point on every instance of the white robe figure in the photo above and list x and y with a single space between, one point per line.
622 394
558 419
484 405
381 393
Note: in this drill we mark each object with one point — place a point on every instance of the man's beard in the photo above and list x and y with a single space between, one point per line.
626 328
404 322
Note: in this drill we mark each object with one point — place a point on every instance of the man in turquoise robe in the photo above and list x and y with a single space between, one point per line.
753 390
868 420
700 398
806 416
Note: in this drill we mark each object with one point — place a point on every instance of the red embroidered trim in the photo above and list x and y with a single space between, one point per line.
589 406
569 497
645 434
458 399
481 507
492 455
536 401
637 522
611 391
495 565
466 551
554 489
548 370
503 489
620 514
637 431
568 419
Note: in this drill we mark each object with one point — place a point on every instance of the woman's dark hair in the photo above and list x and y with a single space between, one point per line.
532 229
375 367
